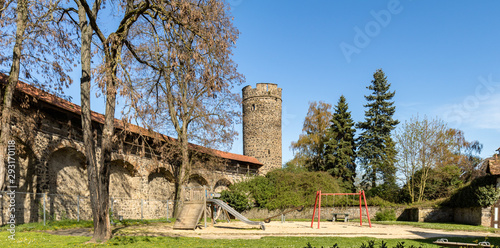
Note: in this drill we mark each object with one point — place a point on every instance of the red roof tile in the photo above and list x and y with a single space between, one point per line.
71 107
494 166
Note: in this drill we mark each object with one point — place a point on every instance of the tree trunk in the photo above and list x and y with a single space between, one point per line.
99 173
99 191
411 186
103 230
183 174
373 176
423 181
22 14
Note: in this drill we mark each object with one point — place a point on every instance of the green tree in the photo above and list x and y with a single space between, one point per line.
340 150
310 147
376 149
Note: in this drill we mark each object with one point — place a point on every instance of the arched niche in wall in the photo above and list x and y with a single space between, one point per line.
197 181
67 172
161 184
123 183
222 184
67 182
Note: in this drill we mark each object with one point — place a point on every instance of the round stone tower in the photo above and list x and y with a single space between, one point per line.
262 125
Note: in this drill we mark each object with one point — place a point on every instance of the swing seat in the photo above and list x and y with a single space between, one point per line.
336 216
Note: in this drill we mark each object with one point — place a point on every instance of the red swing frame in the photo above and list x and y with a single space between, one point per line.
317 203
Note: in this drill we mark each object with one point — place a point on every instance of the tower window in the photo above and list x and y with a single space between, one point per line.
253 106
269 151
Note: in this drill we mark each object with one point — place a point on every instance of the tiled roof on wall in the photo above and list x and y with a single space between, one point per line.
494 166
119 124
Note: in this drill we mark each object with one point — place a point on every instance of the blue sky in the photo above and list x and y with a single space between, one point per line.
441 57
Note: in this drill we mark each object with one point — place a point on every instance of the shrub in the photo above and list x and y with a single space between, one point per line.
284 188
387 191
386 215
479 193
235 199
377 201
487 195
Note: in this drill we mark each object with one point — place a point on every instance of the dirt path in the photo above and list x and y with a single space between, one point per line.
239 230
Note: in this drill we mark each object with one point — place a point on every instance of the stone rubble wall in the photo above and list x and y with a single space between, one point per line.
326 213
50 161
30 208
472 216
434 215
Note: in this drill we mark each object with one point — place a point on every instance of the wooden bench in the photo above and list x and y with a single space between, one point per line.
336 216
445 243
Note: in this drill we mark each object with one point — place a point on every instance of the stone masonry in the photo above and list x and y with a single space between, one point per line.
51 166
262 125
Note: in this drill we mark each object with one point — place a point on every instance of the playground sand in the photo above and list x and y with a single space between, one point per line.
239 230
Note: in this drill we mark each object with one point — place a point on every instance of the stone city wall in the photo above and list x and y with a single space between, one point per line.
50 162
30 208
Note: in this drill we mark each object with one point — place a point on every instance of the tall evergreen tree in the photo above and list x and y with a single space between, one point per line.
340 151
376 149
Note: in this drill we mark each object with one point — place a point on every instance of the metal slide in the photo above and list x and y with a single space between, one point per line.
236 214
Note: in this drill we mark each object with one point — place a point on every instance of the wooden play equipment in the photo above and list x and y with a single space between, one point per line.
192 211
317 204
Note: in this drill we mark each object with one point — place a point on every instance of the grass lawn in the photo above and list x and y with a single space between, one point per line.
50 225
31 235
429 225
38 239
441 226
71 224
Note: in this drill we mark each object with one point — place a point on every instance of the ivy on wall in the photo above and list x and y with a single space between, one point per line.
481 192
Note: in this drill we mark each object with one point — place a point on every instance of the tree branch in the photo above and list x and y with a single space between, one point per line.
92 18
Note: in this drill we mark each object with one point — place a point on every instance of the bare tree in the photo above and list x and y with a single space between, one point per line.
42 47
4 5
184 81
426 144
111 49
417 141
